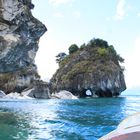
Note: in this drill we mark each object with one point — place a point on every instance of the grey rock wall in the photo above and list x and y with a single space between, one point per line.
19 36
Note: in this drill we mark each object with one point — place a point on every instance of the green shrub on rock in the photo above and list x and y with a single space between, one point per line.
73 48
102 51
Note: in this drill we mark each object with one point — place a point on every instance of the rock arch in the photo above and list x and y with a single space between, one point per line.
85 93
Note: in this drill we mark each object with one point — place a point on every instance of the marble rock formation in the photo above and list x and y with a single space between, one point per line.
95 68
19 36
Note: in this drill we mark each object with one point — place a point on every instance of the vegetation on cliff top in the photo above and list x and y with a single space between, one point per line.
99 47
95 56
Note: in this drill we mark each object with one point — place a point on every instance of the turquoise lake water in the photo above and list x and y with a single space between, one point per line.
83 119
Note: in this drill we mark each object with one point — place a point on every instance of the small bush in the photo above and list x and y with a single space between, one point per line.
83 46
112 50
73 48
102 51
98 43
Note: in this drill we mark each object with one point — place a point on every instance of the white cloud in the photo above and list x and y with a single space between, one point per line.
138 14
77 14
133 66
45 59
108 18
58 15
59 2
120 11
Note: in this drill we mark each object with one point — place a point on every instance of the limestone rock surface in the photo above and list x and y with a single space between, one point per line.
19 36
39 90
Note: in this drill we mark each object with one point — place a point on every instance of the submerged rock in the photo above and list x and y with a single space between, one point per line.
19 36
7 118
94 67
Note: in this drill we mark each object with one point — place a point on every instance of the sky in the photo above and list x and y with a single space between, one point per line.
78 21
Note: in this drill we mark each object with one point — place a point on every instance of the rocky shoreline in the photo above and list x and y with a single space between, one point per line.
30 94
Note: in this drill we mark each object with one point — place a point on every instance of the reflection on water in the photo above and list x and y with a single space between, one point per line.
82 119
12 127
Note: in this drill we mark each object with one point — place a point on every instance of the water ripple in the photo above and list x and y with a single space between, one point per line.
84 119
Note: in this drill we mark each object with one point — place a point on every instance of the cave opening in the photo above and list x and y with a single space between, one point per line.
102 93
86 93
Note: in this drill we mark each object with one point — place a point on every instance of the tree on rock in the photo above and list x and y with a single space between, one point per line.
73 48
97 42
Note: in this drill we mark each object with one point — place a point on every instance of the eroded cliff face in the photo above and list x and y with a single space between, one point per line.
19 36
95 68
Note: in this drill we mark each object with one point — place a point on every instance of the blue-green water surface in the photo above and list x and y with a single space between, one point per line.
82 119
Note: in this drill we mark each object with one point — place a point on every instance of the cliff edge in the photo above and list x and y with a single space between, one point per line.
19 36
